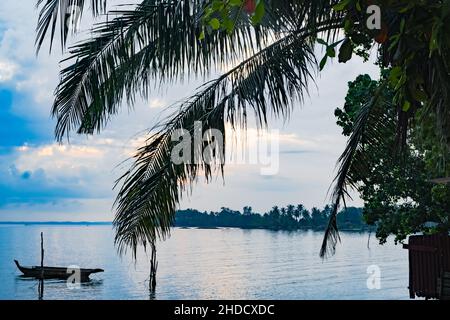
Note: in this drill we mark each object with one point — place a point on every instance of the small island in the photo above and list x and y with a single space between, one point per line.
288 218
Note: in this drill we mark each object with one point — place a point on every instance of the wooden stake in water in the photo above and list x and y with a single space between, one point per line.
42 254
153 269
41 280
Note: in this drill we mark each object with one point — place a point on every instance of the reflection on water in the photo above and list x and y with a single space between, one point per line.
204 264
54 285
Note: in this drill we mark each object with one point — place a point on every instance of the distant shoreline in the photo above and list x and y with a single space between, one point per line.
75 223
106 223
285 219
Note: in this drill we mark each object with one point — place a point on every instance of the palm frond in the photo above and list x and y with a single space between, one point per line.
369 130
68 12
266 84
158 41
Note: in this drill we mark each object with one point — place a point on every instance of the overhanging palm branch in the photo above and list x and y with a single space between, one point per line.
158 42
371 124
267 83
68 12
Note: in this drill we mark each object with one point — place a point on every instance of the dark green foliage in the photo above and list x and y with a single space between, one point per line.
289 218
398 196
370 126
359 93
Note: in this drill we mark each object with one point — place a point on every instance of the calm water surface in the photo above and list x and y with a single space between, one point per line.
205 264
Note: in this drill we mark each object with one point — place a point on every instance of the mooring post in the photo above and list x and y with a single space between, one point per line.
153 269
42 254
41 280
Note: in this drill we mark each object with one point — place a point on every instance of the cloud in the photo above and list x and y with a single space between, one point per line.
7 70
32 77
53 173
157 103
39 176
33 187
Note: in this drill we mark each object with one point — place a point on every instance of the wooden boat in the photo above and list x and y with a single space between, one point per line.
55 272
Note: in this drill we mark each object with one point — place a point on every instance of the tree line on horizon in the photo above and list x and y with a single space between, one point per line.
278 218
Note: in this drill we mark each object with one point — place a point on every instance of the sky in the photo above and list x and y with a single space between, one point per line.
41 180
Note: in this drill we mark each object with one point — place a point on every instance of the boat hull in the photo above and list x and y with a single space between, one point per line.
56 272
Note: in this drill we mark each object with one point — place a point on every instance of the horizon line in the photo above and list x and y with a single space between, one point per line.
56 222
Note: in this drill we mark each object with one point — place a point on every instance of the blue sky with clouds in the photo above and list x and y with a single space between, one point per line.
41 180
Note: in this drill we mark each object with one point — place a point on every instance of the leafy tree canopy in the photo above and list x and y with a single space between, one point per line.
397 193
288 218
